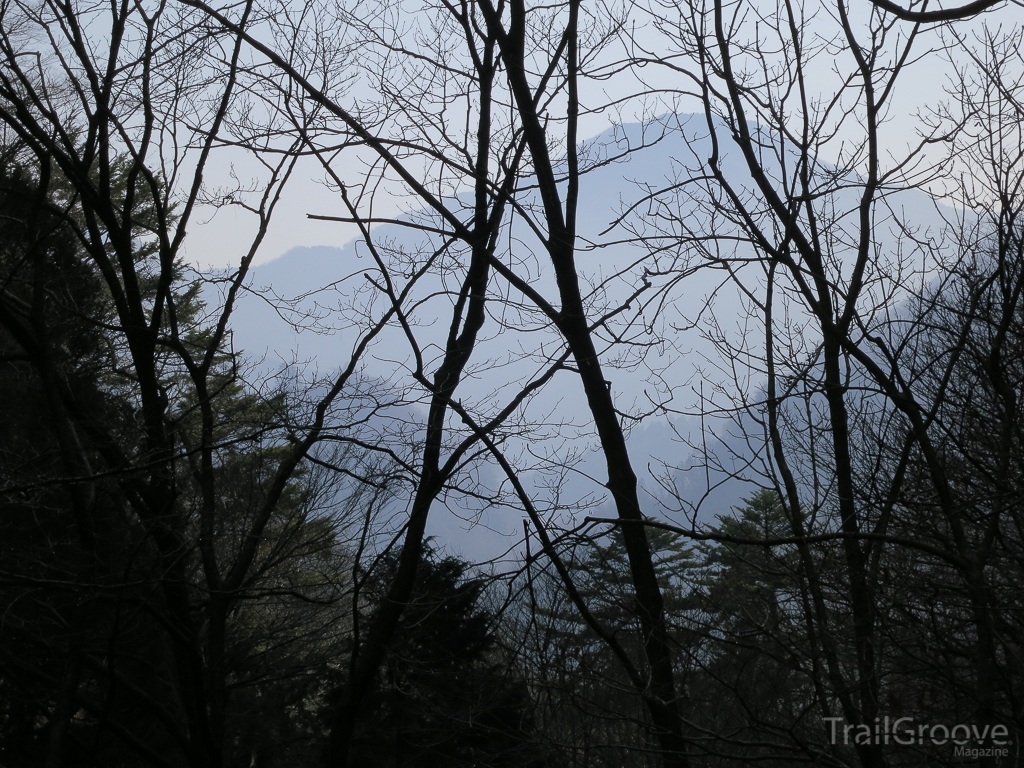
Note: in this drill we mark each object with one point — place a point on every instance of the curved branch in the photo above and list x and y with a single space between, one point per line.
943 14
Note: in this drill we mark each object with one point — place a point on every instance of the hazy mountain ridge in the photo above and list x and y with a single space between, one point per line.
624 191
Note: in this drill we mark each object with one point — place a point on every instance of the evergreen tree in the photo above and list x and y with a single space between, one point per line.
443 696
88 673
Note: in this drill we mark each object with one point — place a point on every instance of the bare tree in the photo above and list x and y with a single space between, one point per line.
187 495
516 72
804 201
468 115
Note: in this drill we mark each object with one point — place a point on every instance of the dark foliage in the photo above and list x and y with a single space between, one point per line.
443 696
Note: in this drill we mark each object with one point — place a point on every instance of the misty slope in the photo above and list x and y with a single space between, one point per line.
674 361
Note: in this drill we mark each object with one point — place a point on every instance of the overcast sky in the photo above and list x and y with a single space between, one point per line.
217 240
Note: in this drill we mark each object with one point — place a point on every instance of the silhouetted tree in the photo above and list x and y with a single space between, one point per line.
443 695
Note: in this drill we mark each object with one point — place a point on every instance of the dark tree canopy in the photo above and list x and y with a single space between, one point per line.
444 696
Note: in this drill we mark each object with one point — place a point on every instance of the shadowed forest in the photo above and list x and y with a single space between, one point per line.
787 234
